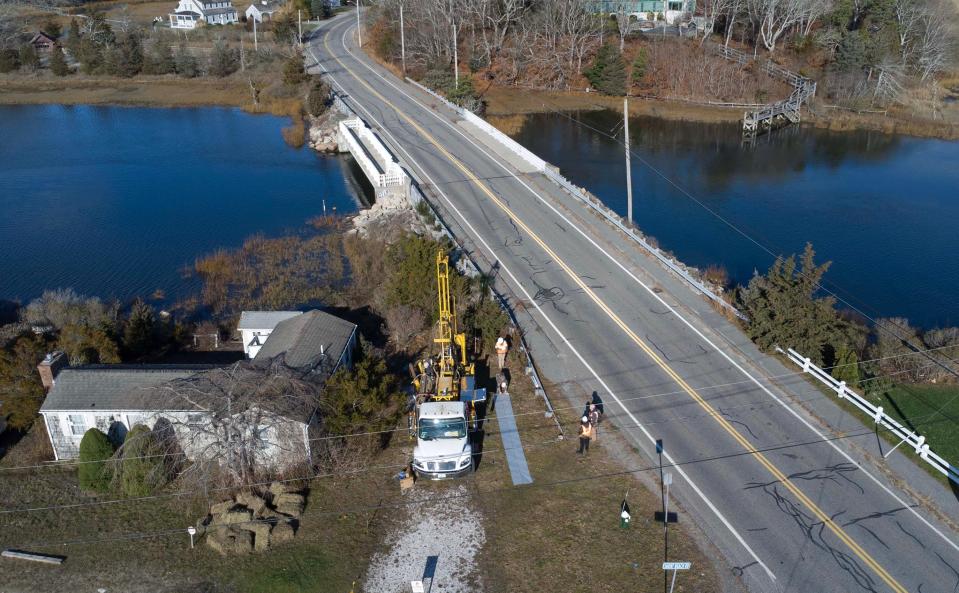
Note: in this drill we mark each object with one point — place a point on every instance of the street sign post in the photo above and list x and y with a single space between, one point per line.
675 567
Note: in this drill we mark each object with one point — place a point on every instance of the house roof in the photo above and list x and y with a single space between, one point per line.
266 7
216 11
264 319
41 35
115 387
306 339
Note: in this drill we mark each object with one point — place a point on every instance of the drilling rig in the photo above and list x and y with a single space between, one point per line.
444 413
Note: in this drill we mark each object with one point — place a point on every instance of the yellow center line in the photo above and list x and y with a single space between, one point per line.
725 424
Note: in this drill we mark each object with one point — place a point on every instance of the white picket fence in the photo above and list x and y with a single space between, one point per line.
914 441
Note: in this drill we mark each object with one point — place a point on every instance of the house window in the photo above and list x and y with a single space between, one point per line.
78 425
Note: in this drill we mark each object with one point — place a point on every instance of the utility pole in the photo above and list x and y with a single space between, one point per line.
299 23
256 46
359 30
456 59
402 40
629 171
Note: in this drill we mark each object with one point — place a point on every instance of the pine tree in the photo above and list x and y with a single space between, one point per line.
29 60
317 100
93 471
89 55
73 37
294 71
846 366
851 54
58 62
9 60
608 72
129 55
142 331
163 60
186 65
640 63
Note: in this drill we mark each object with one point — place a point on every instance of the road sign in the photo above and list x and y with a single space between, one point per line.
677 565
659 445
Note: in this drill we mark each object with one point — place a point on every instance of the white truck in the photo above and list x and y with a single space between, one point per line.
443 448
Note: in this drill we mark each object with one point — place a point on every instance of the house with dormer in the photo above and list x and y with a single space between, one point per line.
190 13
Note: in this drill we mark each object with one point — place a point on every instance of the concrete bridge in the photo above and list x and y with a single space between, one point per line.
381 167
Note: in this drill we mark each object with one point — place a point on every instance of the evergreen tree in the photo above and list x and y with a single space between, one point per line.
851 53
321 9
294 71
129 55
640 63
142 332
186 64
89 55
142 466
73 37
29 60
224 60
361 399
318 99
784 310
58 62
608 72
52 28
22 391
93 471
846 367
163 60
9 60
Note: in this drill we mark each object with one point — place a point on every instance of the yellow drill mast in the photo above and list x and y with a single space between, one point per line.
451 365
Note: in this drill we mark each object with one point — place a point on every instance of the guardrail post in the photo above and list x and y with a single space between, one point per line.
924 454
920 443
805 364
878 416
841 390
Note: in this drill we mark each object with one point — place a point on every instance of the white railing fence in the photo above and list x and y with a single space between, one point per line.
392 174
915 441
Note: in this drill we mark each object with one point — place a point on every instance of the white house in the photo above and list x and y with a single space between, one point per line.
189 13
186 398
255 327
263 10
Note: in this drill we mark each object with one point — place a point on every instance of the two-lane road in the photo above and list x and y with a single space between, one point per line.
791 509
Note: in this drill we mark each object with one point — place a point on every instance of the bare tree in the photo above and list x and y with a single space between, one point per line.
732 14
934 43
240 422
621 11
712 10
773 18
908 27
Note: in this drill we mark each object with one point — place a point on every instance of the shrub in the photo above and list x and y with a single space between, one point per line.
93 471
294 71
22 390
29 60
9 60
318 99
640 64
186 64
486 320
142 466
224 60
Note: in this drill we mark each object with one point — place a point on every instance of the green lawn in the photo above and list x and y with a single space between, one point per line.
930 410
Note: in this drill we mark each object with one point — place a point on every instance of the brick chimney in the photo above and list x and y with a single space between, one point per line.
50 366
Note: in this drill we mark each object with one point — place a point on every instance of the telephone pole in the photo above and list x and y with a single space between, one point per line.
402 40
456 59
629 171
256 47
359 30
299 23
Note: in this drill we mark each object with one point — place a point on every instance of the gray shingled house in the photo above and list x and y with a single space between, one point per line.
114 398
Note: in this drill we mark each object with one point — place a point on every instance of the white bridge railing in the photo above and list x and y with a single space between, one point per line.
369 151
915 441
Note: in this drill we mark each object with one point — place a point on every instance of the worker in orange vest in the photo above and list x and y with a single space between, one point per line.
502 347
585 435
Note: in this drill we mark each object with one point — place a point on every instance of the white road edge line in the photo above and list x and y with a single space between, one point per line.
566 341
492 157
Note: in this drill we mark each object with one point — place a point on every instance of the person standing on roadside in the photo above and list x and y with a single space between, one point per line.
502 348
585 435
594 419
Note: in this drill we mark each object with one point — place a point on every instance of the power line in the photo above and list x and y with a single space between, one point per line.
483 452
744 234
500 490
76 462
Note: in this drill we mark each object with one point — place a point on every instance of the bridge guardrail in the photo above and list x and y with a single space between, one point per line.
915 441
392 175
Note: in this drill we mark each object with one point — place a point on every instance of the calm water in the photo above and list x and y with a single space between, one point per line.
116 201
884 209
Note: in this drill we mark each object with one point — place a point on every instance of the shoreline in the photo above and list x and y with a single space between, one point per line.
507 104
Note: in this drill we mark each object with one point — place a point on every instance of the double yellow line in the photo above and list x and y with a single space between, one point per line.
725 424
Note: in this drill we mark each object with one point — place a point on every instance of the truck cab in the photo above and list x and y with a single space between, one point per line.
443 448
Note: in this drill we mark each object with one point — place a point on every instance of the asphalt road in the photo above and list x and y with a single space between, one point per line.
790 507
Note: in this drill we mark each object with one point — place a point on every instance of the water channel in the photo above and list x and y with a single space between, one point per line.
884 209
116 201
